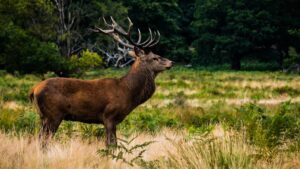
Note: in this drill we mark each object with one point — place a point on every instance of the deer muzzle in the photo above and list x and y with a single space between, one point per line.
169 64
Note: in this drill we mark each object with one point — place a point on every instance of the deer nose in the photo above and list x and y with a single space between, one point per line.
169 64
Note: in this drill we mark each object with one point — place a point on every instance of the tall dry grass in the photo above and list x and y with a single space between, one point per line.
74 153
222 149
171 149
24 152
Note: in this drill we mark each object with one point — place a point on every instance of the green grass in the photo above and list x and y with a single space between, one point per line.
186 99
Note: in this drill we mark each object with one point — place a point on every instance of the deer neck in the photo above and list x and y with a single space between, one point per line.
139 81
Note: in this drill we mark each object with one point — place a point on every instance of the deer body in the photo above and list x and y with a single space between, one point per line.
104 101
94 101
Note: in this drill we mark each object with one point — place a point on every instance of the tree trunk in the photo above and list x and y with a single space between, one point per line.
280 60
283 53
236 62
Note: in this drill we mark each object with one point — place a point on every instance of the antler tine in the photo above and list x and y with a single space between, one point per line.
114 23
151 39
104 20
123 37
120 49
130 25
119 29
108 31
118 39
115 31
156 42
140 37
104 31
148 39
127 35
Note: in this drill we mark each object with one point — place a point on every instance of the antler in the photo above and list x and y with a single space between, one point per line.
115 31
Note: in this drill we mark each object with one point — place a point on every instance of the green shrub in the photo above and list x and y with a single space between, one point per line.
86 61
20 121
7 119
292 58
16 88
150 120
125 149
88 131
287 90
67 128
46 58
268 130
26 54
26 123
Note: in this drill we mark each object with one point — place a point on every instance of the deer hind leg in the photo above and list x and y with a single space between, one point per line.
111 137
47 130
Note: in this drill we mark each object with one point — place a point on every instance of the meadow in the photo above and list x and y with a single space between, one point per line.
196 119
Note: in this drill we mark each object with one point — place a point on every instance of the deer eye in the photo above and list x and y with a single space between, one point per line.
156 59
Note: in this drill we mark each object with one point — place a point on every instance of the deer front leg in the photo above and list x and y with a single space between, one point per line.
111 138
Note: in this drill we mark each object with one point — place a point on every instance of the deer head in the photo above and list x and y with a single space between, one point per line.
140 51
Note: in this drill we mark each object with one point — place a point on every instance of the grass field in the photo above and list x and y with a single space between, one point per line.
196 119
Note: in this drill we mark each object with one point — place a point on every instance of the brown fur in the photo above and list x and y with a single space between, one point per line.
105 101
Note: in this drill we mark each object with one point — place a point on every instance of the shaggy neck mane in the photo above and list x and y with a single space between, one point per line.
140 83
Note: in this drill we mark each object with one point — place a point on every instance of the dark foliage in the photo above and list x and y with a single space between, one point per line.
33 38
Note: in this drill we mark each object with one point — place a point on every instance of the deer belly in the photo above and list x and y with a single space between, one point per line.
86 114
83 111
85 118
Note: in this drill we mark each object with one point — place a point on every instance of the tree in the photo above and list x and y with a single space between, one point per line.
229 30
76 18
41 35
25 37
169 18
286 15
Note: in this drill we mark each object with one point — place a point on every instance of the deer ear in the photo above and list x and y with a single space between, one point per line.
132 54
137 52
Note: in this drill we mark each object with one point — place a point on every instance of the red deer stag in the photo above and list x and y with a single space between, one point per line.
106 101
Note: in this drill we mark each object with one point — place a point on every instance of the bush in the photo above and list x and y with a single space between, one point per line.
293 57
26 123
87 61
46 58
287 90
26 54
19 121
267 130
150 120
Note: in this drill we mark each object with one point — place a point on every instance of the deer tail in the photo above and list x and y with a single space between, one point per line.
31 94
33 99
